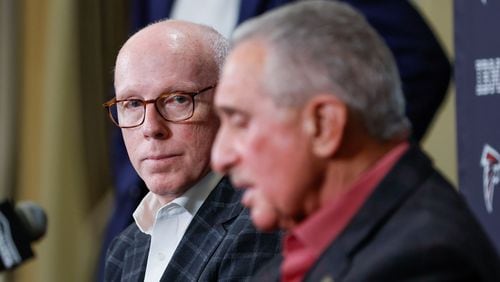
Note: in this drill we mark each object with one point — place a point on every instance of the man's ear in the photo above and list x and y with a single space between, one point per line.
325 118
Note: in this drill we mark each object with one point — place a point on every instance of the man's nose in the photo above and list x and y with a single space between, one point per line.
154 126
223 154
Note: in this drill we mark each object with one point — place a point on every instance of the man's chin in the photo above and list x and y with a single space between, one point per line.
264 222
166 191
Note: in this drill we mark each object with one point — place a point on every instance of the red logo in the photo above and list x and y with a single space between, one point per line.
490 161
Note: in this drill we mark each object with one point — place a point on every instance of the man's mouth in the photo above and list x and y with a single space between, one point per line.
160 157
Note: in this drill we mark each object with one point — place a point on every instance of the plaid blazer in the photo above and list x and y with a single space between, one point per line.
220 244
414 227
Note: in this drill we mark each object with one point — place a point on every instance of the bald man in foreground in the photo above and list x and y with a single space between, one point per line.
191 225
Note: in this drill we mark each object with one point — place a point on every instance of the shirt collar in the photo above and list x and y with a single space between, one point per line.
313 234
149 208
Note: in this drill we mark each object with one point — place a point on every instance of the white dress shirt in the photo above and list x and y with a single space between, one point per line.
167 224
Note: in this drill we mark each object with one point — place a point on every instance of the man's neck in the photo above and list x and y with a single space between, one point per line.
342 173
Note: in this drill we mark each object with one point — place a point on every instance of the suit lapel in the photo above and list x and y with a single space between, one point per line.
205 233
407 175
136 257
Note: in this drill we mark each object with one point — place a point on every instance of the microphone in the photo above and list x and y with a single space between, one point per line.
19 226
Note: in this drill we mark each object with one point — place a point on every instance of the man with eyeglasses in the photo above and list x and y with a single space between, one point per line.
191 225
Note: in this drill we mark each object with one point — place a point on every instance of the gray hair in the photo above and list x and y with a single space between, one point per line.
326 46
217 43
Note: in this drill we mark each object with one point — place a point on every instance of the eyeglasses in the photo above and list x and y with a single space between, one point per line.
177 106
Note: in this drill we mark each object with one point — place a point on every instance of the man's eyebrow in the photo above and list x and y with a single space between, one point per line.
224 110
179 89
130 92
228 111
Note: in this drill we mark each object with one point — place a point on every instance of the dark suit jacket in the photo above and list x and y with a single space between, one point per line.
220 244
414 227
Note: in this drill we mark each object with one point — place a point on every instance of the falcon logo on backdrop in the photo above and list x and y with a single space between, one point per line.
490 161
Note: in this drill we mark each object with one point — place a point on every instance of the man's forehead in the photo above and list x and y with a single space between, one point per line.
250 52
162 48
170 32
180 69
173 42
242 77
244 65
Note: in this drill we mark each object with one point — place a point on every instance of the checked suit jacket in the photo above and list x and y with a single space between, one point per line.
220 244
413 227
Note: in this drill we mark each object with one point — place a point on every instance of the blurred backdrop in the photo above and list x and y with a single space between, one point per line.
56 69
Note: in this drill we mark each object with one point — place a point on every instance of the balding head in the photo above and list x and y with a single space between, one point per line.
163 60
176 42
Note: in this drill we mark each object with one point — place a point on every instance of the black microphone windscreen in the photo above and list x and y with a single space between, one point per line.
19 226
33 218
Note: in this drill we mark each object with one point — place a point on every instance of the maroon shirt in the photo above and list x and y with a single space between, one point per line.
304 244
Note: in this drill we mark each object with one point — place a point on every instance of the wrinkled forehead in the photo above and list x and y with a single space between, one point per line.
165 47
161 57
241 86
244 67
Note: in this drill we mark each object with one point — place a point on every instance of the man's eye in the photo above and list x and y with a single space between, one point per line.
238 120
179 99
175 100
132 104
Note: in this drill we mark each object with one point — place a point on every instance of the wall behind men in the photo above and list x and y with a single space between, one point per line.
440 141
477 72
466 147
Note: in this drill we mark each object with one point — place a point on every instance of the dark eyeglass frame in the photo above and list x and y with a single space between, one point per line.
109 104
